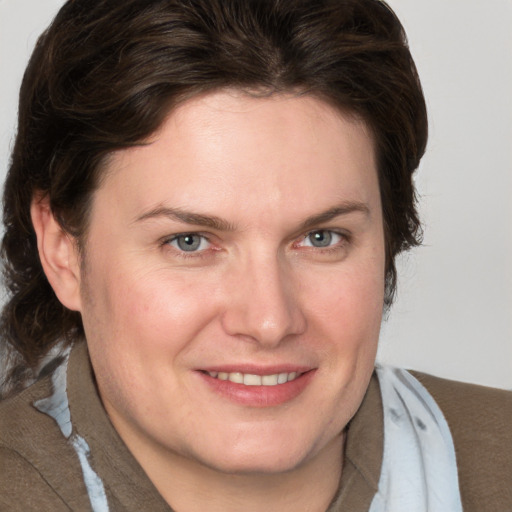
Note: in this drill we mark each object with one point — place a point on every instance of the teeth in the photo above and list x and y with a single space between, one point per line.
269 380
249 379
236 377
252 380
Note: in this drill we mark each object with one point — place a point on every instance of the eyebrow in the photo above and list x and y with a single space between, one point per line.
344 208
180 215
219 224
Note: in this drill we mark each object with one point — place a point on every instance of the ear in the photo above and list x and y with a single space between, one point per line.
58 253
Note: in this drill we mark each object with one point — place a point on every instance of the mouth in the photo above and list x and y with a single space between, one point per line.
250 379
258 389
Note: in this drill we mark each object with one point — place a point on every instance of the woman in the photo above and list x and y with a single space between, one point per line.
217 192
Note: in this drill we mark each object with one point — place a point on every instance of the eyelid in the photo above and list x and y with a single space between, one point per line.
344 237
166 241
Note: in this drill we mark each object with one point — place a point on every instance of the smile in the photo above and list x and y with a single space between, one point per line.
258 387
249 379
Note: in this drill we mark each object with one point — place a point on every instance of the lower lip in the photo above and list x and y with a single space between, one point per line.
259 396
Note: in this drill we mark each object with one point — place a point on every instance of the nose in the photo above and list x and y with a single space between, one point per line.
263 303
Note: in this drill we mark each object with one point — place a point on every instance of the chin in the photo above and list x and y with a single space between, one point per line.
265 455
256 463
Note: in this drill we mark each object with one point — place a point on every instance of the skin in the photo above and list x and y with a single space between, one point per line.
257 293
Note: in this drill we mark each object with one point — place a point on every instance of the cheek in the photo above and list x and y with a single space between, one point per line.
145 303
349 301
139 327
346 320
139 323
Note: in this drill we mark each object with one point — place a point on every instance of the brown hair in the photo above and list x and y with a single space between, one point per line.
106 72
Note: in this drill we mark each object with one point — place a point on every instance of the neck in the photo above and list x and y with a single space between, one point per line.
189 486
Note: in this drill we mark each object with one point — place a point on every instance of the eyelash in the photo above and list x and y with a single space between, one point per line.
344 238
187 254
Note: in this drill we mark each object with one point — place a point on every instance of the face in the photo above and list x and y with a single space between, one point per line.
233 283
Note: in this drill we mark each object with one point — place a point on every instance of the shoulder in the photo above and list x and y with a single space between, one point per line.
473 412
23 487
38 466
480 420
19 419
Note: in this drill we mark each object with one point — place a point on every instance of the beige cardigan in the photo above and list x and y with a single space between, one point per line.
39 471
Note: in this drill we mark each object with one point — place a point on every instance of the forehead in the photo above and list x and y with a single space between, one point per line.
216 150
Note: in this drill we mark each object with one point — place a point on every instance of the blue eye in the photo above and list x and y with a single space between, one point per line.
189 242
322 238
